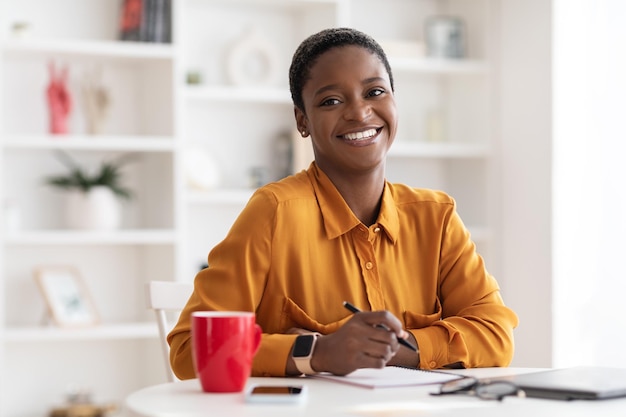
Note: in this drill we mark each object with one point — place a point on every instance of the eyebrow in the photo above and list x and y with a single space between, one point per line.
334 86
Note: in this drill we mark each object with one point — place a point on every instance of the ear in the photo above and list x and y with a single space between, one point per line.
301 122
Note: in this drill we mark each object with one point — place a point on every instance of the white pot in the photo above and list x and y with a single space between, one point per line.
98 209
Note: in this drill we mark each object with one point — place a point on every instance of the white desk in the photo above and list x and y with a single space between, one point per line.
325 398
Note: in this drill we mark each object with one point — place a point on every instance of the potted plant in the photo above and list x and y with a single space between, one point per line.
92 200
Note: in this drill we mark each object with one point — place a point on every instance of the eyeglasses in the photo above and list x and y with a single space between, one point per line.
486 390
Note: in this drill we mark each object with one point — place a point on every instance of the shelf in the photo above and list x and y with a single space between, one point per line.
74 237
222 196
238 94
404 149
90 49
128 331
439 66
89 143
283 3
156 114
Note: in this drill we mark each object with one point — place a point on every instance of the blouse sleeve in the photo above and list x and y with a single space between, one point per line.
476 329
234 280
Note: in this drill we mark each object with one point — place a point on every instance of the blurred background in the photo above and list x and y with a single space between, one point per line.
514 107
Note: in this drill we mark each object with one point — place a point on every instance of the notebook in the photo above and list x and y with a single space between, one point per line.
390 376
584 383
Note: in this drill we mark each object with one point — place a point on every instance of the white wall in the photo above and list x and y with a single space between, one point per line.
589 182
525 130
562 98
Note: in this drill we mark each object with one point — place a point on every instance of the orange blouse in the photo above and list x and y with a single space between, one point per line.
297 251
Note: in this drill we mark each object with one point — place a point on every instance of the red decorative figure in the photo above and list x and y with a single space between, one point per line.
130 21
59 100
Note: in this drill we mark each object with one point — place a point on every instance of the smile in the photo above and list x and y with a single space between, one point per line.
367 134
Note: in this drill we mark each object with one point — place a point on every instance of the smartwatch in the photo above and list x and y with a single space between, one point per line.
303 351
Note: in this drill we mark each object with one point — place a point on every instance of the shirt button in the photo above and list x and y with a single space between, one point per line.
369 265
376 230
433 365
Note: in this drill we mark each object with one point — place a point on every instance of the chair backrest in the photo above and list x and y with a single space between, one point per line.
164 297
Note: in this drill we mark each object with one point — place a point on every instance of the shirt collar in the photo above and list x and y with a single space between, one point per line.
337 216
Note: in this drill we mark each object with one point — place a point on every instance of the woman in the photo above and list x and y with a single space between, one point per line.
340 232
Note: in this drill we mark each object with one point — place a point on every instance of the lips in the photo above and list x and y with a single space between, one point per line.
362 135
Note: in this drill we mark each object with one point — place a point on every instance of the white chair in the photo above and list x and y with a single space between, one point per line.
164 297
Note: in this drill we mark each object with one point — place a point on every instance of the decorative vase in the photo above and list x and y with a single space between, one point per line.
253 59
97 209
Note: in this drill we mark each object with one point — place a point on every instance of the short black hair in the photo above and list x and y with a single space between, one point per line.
315 45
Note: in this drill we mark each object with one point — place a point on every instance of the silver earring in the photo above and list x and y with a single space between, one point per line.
304 135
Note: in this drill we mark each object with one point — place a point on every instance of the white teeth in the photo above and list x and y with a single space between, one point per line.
360 135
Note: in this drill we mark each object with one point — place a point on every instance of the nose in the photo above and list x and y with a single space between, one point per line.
357 109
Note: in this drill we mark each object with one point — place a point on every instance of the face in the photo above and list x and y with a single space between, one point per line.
350 111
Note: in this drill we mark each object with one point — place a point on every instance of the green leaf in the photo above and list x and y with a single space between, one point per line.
108 175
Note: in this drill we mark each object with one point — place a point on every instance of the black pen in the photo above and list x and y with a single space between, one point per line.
403 342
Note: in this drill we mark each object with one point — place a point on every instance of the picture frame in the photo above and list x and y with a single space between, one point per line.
67 298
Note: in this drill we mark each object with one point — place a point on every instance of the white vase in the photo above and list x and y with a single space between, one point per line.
98 209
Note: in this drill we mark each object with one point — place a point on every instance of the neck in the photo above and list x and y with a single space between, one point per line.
362 193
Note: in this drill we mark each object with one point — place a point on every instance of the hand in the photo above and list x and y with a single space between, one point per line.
367 340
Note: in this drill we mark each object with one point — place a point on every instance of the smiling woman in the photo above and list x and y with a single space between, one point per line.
340 231
352 120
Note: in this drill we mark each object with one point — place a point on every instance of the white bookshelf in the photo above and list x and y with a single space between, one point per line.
78 48
406 149
170 227
237 94
39 334
90 143
223 196
440 66
65 237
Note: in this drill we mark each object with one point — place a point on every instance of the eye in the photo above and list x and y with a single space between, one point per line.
330 102
375 92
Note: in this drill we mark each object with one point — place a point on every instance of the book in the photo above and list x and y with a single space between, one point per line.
131 16
146 21
391 376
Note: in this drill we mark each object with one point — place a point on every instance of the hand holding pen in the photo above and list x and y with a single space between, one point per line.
372 339
403 342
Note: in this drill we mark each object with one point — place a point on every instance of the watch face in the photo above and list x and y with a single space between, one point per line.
302 347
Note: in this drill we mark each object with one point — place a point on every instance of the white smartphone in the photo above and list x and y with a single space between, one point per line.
276 393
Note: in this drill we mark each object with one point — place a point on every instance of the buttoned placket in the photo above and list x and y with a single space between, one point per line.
364 242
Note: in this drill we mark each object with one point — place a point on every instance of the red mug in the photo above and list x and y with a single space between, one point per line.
223 346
